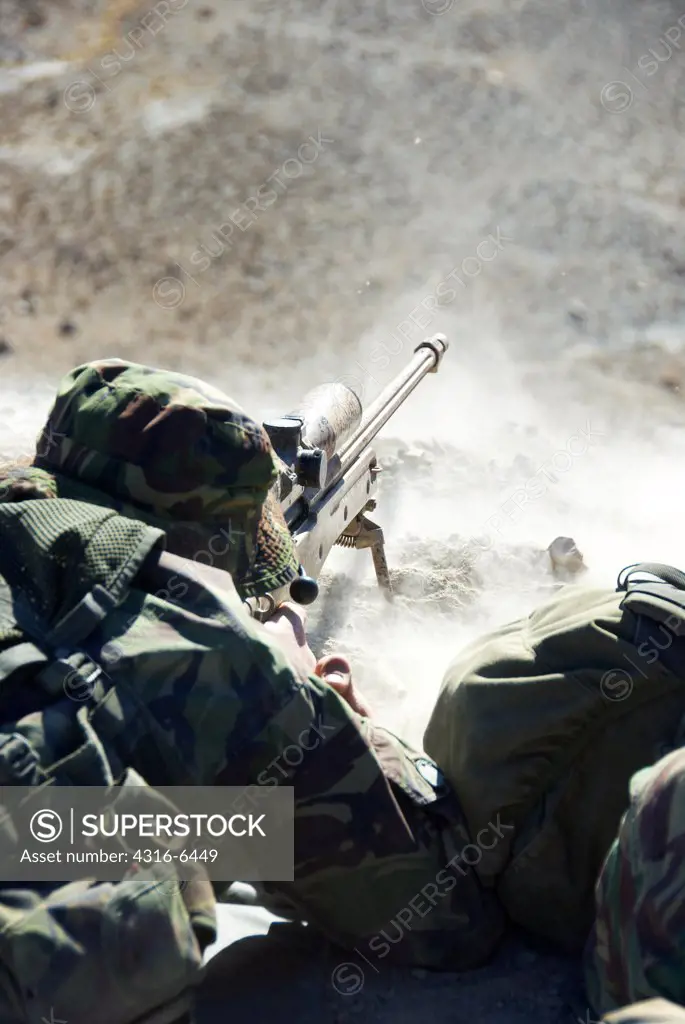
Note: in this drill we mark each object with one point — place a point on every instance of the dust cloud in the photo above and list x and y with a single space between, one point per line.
486 464
507 172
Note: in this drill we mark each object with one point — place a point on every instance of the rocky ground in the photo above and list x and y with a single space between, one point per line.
277 194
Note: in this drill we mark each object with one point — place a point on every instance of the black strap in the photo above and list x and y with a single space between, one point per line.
54 656
72 673
664 573
58 669
80 622
19 762
20 657
88 764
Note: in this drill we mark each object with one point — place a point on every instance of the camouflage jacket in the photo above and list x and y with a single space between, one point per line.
637 947
191 692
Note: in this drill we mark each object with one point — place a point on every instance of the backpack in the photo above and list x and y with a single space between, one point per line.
64 567
540 727
134 948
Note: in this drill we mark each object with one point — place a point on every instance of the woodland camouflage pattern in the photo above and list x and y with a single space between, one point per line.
192 691
178 453
134 948
637 947
104 952
202 697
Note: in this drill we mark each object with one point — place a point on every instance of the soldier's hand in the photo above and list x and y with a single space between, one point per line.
287 627
336 671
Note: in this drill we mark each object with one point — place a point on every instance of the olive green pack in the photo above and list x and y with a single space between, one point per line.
131 949
540 727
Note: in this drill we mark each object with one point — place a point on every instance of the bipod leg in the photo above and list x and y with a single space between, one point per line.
370 535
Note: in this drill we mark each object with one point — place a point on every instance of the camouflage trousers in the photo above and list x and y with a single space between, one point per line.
637 947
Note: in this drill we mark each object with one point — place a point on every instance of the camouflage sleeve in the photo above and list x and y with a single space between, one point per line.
652 1011
636 950
383 861
130 948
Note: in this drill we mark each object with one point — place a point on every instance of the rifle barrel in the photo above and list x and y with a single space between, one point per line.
426 359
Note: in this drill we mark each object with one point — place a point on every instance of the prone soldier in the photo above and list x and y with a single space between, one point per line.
139 474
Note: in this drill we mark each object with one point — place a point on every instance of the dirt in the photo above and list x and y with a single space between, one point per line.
278 194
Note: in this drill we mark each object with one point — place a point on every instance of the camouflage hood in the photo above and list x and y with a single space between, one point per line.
175 453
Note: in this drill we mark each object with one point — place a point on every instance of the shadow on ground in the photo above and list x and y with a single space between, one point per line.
274 970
